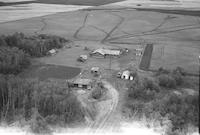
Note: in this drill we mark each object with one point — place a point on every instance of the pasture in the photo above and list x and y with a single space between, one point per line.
44 72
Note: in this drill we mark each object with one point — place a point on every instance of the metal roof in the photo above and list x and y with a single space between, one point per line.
83 81
103 51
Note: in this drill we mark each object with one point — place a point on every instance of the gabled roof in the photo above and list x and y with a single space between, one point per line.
82 81
126 72
103 51
52 51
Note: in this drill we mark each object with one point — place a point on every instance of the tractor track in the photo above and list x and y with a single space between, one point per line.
114 28
44 25
153 33
81 27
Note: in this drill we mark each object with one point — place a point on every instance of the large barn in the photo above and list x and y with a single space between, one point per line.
106 52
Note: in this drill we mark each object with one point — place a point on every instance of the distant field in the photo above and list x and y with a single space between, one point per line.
180 12
51 71
65 2
24 11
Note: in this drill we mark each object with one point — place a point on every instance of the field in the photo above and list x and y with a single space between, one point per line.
63 2
44 72
25 11
146 58
175 37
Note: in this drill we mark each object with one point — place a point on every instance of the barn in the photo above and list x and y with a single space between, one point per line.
106 52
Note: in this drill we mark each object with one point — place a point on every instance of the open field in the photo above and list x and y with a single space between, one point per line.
167 4
63 2
24 11
45 72
118 28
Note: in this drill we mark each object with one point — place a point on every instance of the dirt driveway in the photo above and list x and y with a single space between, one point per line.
106 111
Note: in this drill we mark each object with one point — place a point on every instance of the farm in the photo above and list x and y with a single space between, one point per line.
115 60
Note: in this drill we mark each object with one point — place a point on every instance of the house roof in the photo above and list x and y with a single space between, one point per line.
83 56
95 68
82 81
103 51
126 72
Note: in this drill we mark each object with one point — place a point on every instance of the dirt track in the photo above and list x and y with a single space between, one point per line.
101 123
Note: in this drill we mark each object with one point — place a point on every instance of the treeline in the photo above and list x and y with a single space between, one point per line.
13 60
39 102
16 50
36 46
153 98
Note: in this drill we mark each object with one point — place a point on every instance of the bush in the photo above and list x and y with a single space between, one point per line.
98 91
40 126
181 110
139 92
166 81
161 70
149 83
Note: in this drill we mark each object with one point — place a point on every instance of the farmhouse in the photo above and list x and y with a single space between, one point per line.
106 52
82 83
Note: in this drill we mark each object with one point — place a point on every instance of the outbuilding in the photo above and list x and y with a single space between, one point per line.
52 52
82 83
125 74
95 70
82 58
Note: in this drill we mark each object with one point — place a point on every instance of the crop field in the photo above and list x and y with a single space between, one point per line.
24 11
175 37
45 72
63 2
146 58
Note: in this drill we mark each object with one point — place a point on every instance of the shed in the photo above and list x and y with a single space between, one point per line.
82 58
125 74
95 69
82 83
52 52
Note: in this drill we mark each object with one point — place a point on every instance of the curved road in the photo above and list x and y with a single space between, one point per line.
101 123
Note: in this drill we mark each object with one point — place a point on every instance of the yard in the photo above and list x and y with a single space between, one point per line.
44 72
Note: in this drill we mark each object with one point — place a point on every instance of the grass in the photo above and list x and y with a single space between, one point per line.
45 72
146 58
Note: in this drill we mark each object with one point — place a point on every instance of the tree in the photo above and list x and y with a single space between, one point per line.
13 60
166 81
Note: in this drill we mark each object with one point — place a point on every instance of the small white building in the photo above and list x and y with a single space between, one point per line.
125 74
52 52
95 69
